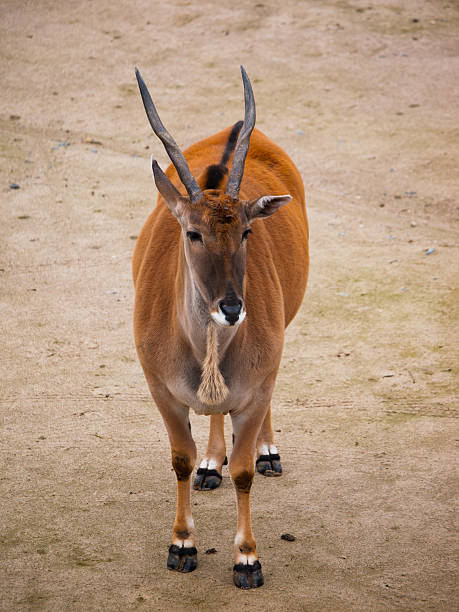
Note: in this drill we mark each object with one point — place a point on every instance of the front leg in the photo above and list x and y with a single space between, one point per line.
247 572
182 552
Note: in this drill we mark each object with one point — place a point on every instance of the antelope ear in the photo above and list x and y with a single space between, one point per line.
169 192
266 205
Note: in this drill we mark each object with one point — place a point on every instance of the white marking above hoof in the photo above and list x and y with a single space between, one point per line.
209 464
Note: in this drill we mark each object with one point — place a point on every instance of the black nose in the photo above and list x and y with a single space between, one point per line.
231 311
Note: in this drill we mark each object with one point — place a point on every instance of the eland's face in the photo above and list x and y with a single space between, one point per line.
215 224
215 233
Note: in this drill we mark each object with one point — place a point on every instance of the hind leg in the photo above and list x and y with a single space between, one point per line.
209 474
268 459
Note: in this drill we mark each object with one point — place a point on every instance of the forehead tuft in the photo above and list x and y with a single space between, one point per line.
221 213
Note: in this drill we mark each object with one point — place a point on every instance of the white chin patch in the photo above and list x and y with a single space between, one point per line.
220 318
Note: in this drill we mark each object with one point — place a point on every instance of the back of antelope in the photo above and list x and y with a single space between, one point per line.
218 276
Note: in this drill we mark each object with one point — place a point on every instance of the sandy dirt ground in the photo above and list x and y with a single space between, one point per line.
363 96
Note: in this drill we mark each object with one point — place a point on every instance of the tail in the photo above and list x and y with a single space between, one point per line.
217 172
231 143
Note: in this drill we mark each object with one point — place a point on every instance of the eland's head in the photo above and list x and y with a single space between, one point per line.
215 223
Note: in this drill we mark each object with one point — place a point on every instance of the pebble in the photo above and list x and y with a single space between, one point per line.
288 537
92 141
413 223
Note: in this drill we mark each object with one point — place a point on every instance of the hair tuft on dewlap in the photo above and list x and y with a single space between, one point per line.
212 389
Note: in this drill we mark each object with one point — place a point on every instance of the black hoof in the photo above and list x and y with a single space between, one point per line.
269 465
182 559
248 576
207 480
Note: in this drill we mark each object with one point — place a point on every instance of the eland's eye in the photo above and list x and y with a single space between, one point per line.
194 236
245 234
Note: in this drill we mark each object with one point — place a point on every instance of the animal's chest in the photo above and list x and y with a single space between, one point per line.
184 385
244 367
